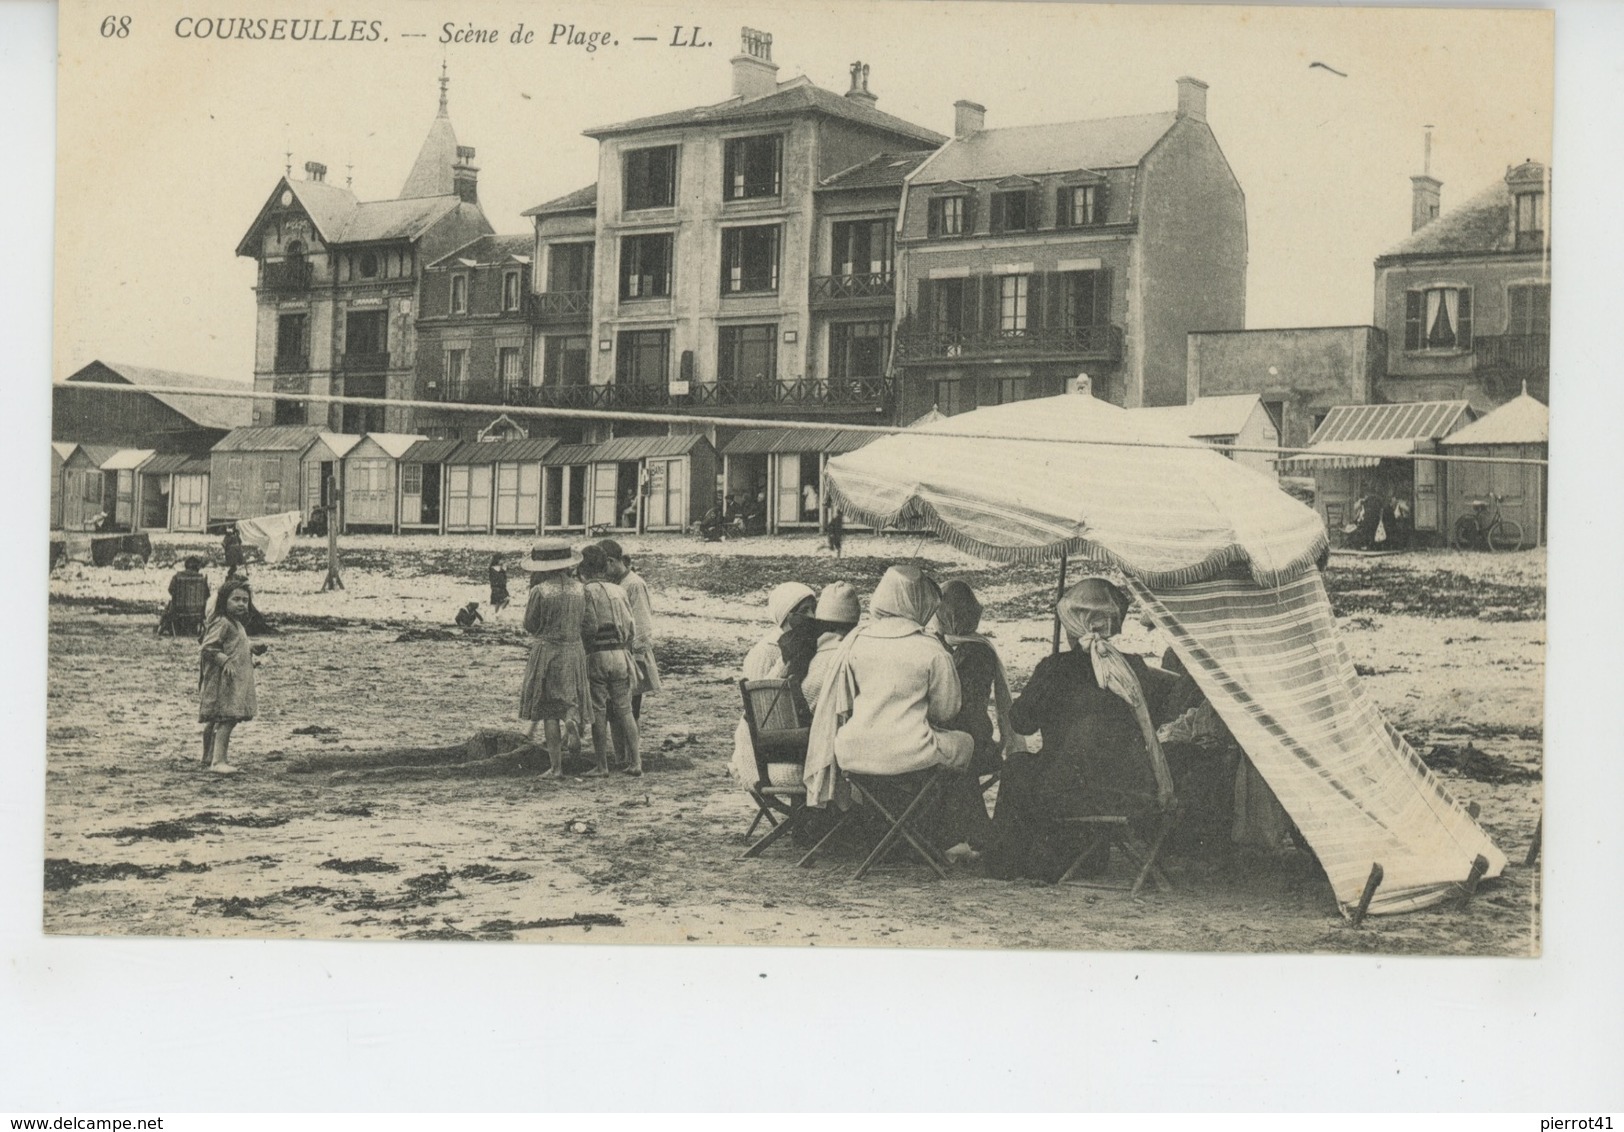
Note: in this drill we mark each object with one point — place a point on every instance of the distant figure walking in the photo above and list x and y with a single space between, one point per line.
226 695
499 584
837 531
231 543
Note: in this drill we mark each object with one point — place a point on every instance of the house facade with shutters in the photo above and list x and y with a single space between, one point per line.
1465 299
1032 254
700 272
337 289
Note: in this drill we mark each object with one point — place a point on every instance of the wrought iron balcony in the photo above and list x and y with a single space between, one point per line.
837 393
1521 353
469 392
1091 343
289 275
365 361
291 383
561 306
292 363
865 287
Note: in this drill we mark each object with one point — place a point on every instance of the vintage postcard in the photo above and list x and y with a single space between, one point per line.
959 475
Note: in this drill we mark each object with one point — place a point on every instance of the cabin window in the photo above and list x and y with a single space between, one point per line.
650 178
1438 318
750 259
645 266
753 167
411 479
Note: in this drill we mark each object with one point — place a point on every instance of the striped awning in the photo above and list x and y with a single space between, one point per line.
1362 436
1355 454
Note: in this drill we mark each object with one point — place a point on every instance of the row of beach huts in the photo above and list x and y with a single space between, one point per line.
394 483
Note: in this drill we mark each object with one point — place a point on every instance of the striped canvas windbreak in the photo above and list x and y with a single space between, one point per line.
1271 663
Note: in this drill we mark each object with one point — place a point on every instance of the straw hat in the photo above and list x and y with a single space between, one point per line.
838 605
549 555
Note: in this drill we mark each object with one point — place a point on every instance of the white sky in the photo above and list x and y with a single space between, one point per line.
168 147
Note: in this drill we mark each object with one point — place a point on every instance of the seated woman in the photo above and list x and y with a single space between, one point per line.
1095 709
888 706
790 606
837 615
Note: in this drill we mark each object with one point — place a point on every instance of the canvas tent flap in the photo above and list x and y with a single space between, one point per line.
1171 512
1270 662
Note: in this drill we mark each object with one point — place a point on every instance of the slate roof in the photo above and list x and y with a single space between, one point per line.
431 172
430 451
171 463
1224 415
529 450
269 438
206 412
1521 420
341 219
797 96
566 454
1483 224
644 447
766 441
581 200
492 249
881 171
1099 143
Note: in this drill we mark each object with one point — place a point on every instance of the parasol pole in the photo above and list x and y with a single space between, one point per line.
1059 592
334 580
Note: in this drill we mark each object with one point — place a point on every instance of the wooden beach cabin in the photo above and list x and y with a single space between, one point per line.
1238 419
371 471
421 483
652 483
1519 429
788 464
565 494
84 486
173 490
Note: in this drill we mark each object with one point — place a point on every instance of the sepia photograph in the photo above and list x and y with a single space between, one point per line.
957 476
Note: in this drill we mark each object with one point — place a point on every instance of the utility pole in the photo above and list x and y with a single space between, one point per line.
335 515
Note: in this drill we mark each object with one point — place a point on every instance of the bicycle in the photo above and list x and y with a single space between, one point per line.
1486 528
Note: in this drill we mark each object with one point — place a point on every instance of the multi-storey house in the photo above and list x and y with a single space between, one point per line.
708 278
338 281
1031 254
474 334
1465 299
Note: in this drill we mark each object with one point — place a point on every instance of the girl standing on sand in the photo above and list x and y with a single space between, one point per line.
555 692
225 679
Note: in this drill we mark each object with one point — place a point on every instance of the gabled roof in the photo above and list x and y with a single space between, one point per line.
341 219
1521 420
169 463
491 249
643 447
1099 143
797 96
93 454
63 448
269 438
581 200
206 412
1483 224
338 443
1224 415
395 444
883 170
127 459
430 451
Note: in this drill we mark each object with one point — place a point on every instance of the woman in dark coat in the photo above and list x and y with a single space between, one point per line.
1096 710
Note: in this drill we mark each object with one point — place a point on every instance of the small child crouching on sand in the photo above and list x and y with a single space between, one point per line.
225 679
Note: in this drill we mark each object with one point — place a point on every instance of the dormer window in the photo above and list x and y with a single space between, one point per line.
459 294
1530 208
949 216
753 167
1438 318
510 290
1079 206
1013 211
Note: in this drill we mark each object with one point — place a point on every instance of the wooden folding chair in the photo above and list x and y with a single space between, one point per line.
1116 831
775 715
902 805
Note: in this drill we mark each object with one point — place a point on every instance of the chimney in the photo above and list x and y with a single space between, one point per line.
465 175
1426 192
968 117
754 72
315 171
1192 99
859 91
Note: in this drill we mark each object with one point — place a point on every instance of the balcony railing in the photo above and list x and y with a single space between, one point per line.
561 306
291 383
289 275
1518 352
865 286
468 392
851 392
1095 343
370 361
292 363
